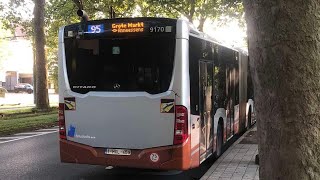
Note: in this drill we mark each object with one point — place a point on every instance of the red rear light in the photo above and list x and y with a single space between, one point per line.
62 122
181 125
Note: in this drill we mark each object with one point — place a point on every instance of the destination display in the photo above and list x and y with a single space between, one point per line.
129 27
121 27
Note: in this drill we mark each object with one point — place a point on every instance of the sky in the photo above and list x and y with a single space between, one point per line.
231 33
21 56
26 11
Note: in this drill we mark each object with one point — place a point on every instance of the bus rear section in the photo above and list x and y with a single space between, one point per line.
119 105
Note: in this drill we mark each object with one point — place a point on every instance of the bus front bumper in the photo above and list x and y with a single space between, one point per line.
170 157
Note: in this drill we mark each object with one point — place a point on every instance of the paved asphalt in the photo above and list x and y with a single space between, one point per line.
38 158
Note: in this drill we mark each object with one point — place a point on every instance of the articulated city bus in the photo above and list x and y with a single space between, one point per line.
148 93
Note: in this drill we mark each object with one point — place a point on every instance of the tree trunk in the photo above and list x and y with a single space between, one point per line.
34 74
284 50
42 100
192 10
201 24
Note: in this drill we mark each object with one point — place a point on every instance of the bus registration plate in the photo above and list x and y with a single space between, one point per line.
120 152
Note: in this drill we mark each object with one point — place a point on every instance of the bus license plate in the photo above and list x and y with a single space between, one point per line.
120 152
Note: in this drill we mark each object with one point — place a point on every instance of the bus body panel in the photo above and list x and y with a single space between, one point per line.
170 157
181 79
62 67
120 122
236 119
195 138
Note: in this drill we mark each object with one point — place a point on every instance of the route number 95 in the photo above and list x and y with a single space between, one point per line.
96 28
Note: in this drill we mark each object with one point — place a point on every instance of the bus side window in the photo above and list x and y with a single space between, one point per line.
195 54
220 78
250 92
140 78
236 78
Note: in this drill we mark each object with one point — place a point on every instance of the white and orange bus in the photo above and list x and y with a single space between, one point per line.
148 93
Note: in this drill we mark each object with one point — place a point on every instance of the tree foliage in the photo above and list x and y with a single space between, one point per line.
17 13
193 10
5 52
61 12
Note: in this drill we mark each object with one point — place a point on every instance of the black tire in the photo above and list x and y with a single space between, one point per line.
219 141
29 91
16 91
249 119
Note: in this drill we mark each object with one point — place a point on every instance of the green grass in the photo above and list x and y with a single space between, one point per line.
17 111
23 110
15 121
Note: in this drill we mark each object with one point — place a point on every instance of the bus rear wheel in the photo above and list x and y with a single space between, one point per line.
219 141
249 119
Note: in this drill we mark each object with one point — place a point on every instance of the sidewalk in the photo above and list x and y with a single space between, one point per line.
237 163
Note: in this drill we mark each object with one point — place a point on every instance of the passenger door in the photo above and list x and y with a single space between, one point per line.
205 98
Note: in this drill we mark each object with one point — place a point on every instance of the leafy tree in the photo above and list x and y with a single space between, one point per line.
285 62
60 12
200 10
16 13
5 52
57 14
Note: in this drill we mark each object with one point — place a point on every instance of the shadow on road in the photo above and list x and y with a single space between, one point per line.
140 174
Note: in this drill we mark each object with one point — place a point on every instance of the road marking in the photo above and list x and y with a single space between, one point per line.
16 137
50 129
27 133
4 138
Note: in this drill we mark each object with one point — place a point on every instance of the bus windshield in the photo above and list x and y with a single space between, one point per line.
122 64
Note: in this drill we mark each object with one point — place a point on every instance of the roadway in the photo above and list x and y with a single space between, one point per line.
37 157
